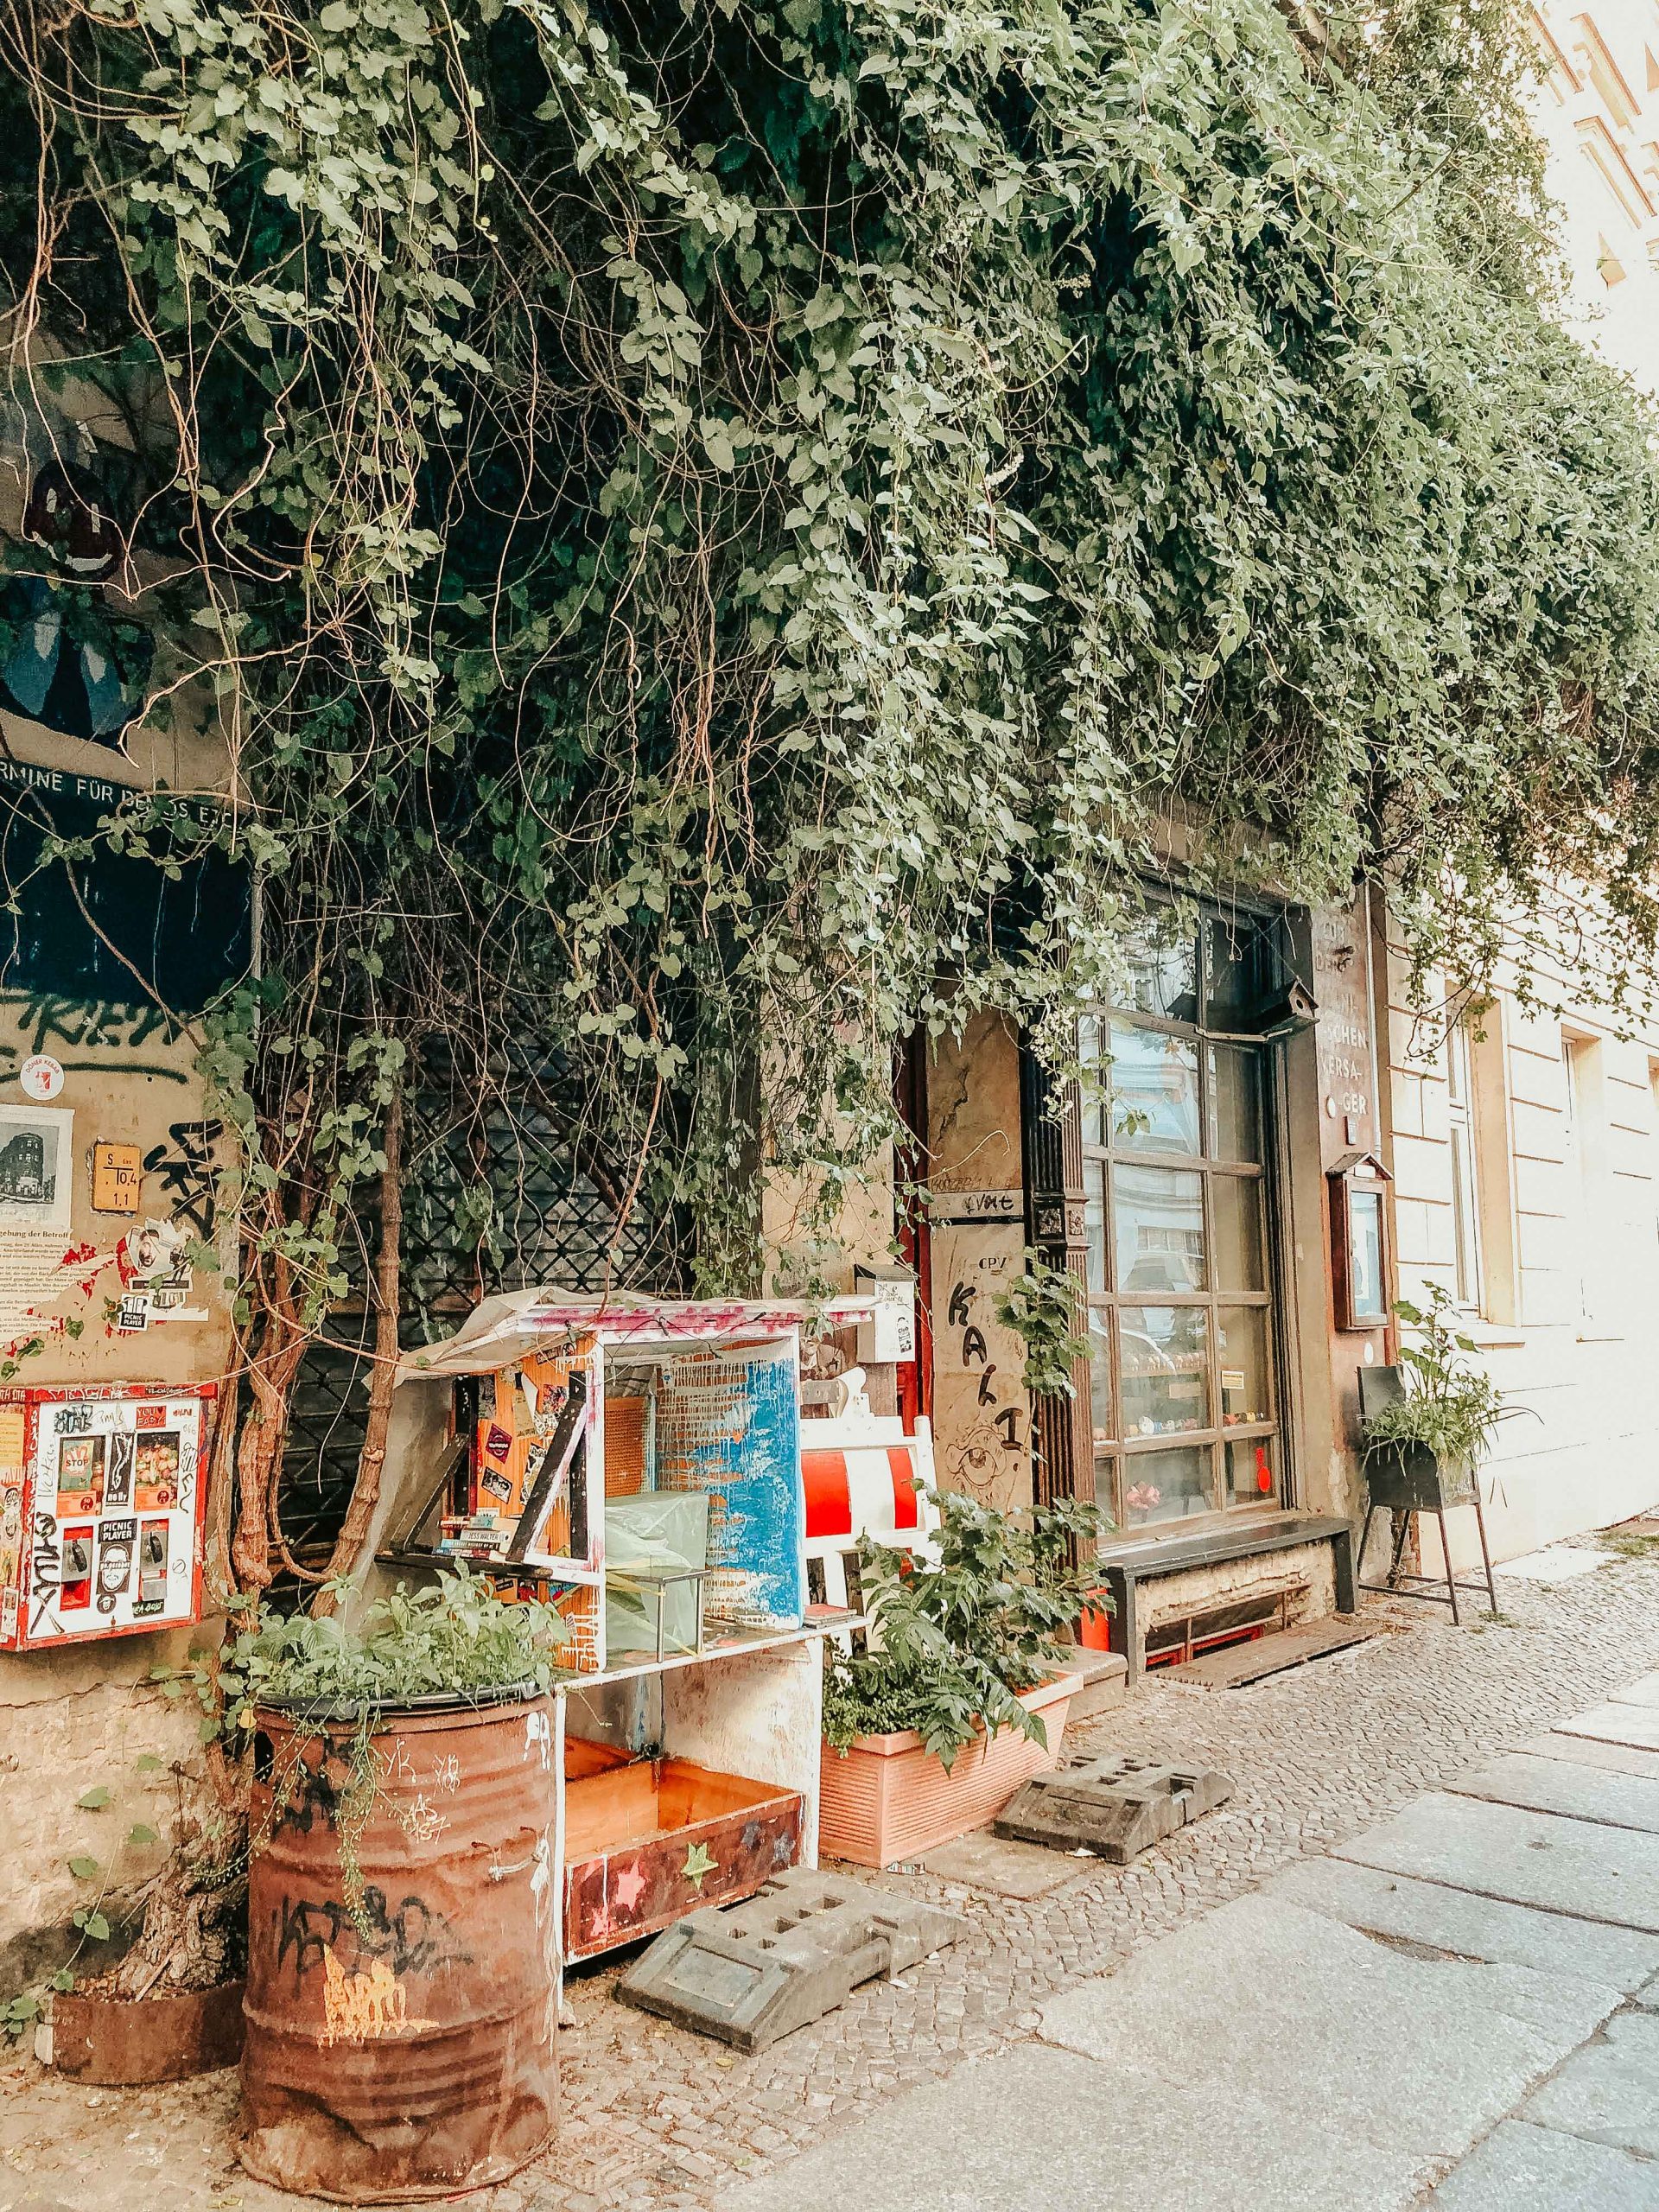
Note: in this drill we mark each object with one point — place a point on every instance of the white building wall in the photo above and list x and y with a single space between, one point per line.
1565 1308
1597 112
1567 1319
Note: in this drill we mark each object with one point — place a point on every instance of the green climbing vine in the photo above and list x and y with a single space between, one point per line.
719 536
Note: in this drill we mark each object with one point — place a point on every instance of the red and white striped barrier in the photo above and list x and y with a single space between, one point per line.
860 1479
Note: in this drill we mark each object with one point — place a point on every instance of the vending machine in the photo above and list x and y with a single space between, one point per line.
102 1497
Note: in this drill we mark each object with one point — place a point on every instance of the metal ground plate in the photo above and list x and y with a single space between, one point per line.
752 1972
1116 1807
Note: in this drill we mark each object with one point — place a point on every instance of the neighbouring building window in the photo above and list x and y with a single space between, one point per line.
1465 1169
1582 1151
1184 1388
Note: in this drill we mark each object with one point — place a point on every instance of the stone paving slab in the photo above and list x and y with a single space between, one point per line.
1615 1723
1524 2168
1608 2092
1430 1918
1414 2056
1006 1869
1561 1564
652 2122
1644 1692
1577 1793
1039 2129
1588 1750
1500 1851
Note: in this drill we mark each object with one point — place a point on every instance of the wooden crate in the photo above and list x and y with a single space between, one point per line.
646 1844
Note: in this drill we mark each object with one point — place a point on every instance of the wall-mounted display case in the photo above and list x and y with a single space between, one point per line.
1359 1241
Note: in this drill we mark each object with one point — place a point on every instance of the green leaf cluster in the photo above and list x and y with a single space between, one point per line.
954 1637
723 535
1452 1407
452 1637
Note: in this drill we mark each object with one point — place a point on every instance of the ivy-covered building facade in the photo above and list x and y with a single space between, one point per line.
1210 1178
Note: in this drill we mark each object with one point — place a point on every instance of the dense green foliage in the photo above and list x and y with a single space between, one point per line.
453 1637
715 524
956 1639
1451 1406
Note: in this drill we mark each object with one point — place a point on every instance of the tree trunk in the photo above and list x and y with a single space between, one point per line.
388 1288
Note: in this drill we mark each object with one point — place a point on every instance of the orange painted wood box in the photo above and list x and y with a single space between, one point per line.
647 1843
887 1799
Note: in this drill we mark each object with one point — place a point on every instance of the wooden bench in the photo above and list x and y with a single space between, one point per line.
1124 1567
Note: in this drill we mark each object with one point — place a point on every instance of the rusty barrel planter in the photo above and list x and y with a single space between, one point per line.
401 2026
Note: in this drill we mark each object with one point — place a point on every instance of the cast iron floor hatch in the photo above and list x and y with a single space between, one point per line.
1234 1664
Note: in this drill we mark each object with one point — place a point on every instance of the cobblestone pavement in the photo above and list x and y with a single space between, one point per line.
656 2119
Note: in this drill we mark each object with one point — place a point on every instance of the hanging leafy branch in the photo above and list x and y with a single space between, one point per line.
718 536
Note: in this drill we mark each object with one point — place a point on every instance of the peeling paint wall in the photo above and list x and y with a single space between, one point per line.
982 1412
99 1295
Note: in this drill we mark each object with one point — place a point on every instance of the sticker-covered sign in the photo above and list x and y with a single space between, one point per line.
41 1076
102 1491
117 1178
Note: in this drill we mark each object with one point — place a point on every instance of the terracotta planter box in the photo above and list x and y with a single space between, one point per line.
120 2041
887 1799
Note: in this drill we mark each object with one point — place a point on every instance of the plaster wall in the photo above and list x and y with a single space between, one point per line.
1596 110
1565 1310
76 1720
981 1411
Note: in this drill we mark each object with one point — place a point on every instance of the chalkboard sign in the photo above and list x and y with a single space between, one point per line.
77 926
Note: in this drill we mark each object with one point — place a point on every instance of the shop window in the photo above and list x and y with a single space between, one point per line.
1184 1382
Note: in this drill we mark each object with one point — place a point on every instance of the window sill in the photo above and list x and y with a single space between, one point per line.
1590 1334
1492 1335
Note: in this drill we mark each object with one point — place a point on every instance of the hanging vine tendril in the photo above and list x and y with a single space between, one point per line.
720 535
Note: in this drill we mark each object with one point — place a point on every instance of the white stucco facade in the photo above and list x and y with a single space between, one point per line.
1598 112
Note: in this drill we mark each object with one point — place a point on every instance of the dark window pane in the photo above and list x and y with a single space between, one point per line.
1158 1230
1238 971
1244 1393
1163 975
1163 1352
1167 1485
1237 1200
1252 1470
1094 1215
1154 1103
1234 1104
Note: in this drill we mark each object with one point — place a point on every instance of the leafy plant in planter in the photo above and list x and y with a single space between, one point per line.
453 1638
955 1644
1452 1408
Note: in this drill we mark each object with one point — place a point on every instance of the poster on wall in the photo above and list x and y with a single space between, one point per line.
35 1167
729 1424
36 1183
101 1508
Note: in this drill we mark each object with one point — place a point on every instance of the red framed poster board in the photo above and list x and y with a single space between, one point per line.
102 1500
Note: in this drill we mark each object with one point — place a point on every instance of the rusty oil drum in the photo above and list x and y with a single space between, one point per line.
402 2036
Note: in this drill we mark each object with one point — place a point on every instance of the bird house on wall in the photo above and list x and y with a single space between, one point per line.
1359 1234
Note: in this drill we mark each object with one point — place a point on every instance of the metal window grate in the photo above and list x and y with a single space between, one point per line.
495 1199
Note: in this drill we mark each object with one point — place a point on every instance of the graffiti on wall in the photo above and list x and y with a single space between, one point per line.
981 1413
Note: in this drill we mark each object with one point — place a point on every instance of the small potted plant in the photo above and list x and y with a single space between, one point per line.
1429 1422
171 2004
960 1697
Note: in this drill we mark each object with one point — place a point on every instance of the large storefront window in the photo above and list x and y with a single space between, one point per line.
1180 1290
